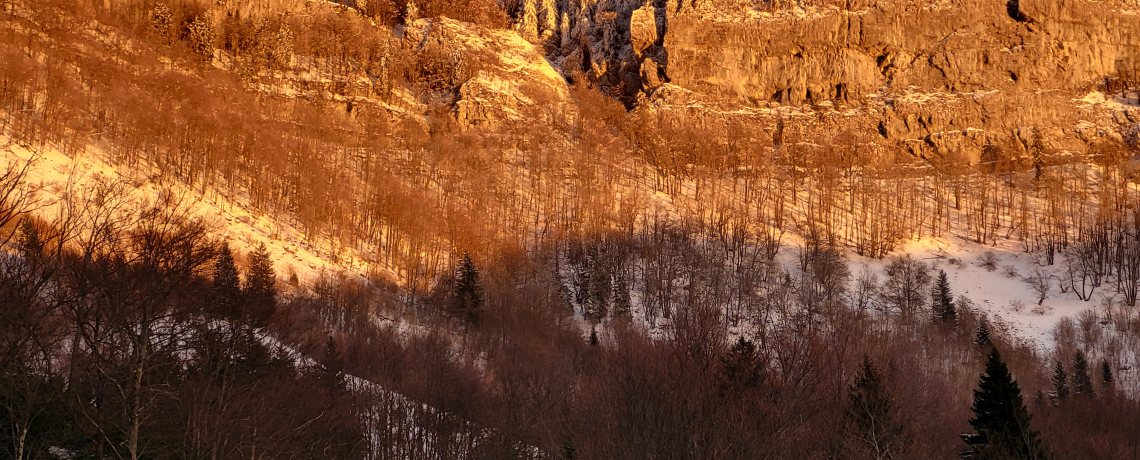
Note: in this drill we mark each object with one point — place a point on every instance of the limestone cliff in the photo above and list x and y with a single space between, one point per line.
932 77
499 74
957 75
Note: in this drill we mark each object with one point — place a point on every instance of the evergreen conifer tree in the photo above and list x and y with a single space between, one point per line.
872 416
528 21
593 336
622 301
29 239
582 283
227 284
943 300
468 290
1000 417
741 367
982 336
260 286
594 287
1060 382
1105 373
330 371
1082 382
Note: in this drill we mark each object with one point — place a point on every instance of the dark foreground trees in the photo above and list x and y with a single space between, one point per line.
260 290
523 384
1001 420
111 348
468 290
873 418
137 341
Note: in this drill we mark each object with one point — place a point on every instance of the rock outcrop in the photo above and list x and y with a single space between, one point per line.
503 75
932 77
797 56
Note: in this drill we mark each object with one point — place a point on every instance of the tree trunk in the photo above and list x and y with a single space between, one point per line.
21 440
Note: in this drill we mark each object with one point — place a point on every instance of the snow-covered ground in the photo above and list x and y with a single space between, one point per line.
1008 299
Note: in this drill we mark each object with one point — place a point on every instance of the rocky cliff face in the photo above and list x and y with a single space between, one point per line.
820 54
955 75
930 77
483 76
499 75
934 78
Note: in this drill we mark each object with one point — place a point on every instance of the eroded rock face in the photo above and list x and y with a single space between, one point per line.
957 46
643 29
650 74
934 78
504 78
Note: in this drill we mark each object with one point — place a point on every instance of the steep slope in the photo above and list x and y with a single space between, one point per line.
58 178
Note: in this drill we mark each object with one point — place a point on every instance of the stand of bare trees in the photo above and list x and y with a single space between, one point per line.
113 347
359 178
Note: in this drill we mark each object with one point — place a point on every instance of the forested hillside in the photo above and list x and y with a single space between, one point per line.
567 229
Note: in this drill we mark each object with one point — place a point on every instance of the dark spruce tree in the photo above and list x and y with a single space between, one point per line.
1105 374
468 291
622 300
741 367
1082 382
872 418
594 286
227 299
942 300
29 239
331 368
982 335
260 287
1001 420
1060 382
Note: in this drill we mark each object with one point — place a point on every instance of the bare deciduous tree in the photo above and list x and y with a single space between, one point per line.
908 281
1041 282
